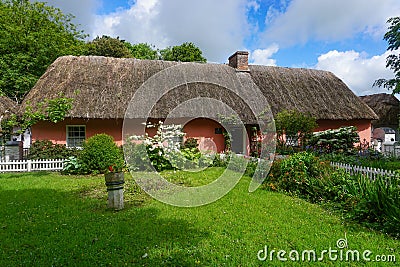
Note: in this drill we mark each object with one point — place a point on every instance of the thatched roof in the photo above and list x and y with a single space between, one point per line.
7 106
317 92
386 106
102 87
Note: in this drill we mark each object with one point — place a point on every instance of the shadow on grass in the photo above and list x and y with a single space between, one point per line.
21 175
44 227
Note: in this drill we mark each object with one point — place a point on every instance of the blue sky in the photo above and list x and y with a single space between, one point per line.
342 36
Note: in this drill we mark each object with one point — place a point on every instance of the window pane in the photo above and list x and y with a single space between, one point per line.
75 135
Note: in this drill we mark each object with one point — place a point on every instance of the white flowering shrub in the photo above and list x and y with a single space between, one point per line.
164 151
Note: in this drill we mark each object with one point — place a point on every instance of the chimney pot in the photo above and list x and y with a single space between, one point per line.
240 61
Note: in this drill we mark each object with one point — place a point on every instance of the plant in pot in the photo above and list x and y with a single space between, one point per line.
114 178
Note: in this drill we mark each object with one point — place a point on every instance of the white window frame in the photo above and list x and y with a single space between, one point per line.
67 137
292 140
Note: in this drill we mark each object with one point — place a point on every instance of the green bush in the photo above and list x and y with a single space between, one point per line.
135 155
220 160
302 174
375 203
293 126
305 176
372 159
338 140
45 149
99 153
237 163
190 143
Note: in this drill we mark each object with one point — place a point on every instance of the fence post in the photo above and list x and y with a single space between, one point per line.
29 165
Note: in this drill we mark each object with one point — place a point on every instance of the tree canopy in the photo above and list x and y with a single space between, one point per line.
142 51
187 52
33 35
293 128
392 61
108 46
114 47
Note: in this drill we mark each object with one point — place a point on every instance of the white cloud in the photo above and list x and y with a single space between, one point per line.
253 5
217 27
263 56
83 10
134 24
327 20
356 69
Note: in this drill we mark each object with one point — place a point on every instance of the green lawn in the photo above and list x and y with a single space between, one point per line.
53 220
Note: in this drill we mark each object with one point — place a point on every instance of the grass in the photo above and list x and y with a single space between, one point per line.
51 220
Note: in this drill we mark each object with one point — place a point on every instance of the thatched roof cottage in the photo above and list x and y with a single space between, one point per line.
386 106
7 108
103 87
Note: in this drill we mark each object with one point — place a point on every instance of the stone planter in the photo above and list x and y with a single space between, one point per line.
115 187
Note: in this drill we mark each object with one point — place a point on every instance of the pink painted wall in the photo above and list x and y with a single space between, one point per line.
204 131
57 133
363 126
201 129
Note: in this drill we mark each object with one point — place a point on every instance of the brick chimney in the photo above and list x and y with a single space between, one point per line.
240 61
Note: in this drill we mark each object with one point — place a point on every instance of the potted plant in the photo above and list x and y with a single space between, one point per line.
114 178
114 173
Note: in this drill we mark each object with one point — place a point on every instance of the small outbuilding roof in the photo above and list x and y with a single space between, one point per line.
386 106
7 106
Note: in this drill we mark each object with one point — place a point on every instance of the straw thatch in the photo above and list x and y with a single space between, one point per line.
7 106
103 87
317 92
386 106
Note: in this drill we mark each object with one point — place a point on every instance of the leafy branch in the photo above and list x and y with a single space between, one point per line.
53 110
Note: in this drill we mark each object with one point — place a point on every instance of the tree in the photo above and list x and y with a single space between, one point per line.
187 52
108 46
392 61
52 110
33 35
293 128
142 51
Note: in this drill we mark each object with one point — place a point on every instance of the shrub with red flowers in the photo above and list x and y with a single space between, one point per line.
304 175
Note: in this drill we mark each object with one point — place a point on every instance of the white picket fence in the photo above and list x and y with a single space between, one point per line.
31 165
372 173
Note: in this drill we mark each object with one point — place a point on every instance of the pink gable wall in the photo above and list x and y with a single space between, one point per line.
363 127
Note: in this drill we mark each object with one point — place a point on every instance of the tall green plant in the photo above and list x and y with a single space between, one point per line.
293 126
376 202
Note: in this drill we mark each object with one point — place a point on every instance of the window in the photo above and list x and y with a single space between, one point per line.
292 140
76 134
